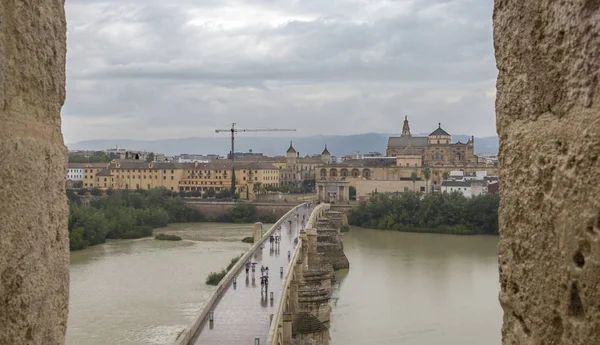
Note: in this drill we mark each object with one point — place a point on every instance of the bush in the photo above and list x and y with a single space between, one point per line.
248 240
233 262
165 237
96 192
214 278
137 232
242 213
268 218
345 228
76 241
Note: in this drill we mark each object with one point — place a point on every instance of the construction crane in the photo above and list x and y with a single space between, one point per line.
233 130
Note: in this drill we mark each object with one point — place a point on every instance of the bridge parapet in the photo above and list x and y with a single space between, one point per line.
188 334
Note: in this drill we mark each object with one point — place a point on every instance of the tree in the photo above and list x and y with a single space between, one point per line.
427 175
210 193
445 175
150 157
413 177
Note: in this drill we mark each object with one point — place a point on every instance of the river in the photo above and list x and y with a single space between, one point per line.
130 292
417 289
401 288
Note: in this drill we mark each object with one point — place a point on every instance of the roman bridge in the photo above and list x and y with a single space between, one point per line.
301 277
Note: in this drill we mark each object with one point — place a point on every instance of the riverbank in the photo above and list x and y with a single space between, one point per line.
134 214
442 213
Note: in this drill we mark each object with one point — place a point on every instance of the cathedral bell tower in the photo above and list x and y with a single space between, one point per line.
405 128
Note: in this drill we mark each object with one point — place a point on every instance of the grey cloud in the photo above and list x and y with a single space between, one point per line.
144 61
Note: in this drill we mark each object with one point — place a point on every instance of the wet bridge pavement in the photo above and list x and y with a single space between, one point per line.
243 312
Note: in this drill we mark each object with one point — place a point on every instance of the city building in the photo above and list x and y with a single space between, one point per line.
435 149
468 188
251 177
75 171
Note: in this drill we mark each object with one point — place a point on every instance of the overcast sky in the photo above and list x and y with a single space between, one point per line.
156 69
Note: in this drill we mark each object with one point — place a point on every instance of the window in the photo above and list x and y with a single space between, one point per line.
171 177
171 171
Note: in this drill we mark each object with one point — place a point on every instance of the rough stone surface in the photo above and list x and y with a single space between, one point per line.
34 270
548 120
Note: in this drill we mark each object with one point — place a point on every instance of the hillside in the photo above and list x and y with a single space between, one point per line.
338 145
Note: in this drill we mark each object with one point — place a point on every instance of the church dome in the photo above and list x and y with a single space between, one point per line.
325 152
440 131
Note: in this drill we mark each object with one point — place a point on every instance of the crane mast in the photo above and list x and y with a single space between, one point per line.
235 130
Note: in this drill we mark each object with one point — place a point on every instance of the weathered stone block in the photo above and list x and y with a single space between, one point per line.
34 252
548 119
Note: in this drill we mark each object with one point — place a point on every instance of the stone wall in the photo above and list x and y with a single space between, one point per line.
548 120
365 188
218 209
34 253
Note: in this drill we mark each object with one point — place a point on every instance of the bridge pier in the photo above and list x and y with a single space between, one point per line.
288 320
257 230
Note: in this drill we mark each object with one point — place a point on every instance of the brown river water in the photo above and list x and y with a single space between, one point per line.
420 289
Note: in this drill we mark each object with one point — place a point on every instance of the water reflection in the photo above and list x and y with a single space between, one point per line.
422 289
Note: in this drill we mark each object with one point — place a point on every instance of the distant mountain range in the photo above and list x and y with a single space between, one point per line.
338 145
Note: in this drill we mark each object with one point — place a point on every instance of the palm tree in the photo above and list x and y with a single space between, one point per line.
413 177
427 175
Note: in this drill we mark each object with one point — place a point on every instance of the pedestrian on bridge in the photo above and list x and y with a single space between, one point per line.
267 271
253 268
264 283
248 267
271 240
262 270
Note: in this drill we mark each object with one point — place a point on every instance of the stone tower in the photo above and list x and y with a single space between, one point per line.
291 156
548 122
405 128
326 156
34 250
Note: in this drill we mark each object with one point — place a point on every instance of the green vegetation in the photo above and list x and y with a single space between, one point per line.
246 213
248 239
440 213
214 278
124 215
166 237
291 190
345 228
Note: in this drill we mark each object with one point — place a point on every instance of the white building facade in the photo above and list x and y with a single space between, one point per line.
469 188
75 174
